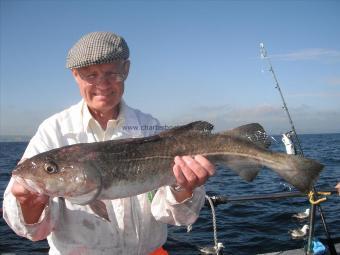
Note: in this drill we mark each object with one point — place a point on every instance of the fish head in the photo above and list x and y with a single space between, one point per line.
49 175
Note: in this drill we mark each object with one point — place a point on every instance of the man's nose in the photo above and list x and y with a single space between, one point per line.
103 81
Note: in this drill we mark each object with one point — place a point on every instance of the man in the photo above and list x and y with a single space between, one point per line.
100 64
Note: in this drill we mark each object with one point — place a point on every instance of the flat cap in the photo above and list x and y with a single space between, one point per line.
97 48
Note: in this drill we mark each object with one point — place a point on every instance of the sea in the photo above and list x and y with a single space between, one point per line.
251 227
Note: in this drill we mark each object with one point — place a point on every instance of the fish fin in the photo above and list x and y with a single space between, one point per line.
196 126
99 208
193 127
253 132
246 168
299 171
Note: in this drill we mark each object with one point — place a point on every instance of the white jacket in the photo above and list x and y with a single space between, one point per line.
139 226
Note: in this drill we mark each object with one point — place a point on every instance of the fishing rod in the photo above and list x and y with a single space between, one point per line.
277 86
330 242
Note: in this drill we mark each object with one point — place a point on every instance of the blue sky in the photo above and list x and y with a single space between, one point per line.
190 60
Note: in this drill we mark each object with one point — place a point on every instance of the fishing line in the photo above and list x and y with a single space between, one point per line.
330 242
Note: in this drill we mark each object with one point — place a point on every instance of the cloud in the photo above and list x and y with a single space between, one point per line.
320 95
309 54
306 118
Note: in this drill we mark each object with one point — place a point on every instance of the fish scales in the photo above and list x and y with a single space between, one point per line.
217 147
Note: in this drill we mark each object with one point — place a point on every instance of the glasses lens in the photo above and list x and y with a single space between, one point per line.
96 79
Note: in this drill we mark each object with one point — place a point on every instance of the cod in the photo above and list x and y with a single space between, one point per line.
87 173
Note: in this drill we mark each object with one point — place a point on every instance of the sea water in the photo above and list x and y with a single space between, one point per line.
243 227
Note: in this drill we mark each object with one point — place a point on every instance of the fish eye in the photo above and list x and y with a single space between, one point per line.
51 168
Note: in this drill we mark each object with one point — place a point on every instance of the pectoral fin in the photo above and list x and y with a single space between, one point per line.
99 208
246 168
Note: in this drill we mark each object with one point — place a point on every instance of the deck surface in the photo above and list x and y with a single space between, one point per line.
297 252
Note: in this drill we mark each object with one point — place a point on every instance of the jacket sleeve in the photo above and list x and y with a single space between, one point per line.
11 208
13 216
166 209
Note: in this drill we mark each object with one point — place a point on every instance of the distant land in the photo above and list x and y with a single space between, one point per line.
14 138
26 138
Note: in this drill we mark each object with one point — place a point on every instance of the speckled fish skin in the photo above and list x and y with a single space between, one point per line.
123 168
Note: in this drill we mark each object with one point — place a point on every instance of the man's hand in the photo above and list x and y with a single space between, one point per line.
32 204
191 173
338 187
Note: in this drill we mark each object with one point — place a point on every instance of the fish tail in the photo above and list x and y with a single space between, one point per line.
297 170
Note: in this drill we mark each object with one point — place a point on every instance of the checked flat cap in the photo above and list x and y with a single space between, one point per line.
97 48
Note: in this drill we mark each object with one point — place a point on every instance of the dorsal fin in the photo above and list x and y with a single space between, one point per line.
253 132
196 126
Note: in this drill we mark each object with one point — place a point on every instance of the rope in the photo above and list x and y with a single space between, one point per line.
311 197
218 246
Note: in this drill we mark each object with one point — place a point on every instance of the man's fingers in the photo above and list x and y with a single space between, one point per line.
206 164
198 174
192 172
24 195
180 178
19 190
189 177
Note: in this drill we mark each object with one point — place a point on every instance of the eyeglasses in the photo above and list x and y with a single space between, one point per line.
94 78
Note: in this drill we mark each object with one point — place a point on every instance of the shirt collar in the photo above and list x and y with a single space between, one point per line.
80 119
88 118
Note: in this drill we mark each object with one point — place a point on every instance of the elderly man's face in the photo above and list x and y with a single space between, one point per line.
102 85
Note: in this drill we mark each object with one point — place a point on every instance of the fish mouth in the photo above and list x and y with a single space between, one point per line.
29 184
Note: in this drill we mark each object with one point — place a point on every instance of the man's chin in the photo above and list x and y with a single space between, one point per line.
104 104
101 98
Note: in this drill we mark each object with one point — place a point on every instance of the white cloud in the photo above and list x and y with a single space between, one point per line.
273 118
320 95
309 54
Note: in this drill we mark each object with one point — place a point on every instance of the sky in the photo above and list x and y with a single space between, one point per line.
190 60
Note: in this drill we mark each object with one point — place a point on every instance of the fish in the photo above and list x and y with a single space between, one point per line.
86 173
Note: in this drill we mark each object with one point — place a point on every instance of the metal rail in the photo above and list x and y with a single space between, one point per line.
217 200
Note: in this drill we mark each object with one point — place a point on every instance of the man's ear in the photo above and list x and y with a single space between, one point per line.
76 77
74 72
126 68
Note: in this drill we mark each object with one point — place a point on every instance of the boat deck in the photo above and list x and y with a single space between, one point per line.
297 251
